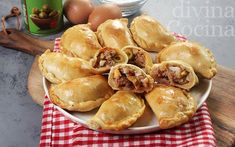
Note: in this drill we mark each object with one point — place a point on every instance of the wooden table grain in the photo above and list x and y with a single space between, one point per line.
221 104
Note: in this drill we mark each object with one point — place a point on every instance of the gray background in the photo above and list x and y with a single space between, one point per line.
20 118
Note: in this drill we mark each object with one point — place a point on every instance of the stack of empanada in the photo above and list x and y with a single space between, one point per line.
79 81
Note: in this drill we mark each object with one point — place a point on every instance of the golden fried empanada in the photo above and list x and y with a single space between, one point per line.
107 57
79 41
81 94
57 67
139 57
174 72
115 33
130 77
149 34
172 106
199 57
118 112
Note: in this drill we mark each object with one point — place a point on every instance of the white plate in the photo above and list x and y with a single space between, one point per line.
148 122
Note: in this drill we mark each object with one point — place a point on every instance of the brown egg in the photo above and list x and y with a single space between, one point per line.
102 13
77 11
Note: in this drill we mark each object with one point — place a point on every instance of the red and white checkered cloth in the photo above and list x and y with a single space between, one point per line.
57 130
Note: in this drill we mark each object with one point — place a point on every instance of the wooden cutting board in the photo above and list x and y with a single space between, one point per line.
221 101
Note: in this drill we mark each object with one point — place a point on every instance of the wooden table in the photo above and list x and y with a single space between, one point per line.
221 102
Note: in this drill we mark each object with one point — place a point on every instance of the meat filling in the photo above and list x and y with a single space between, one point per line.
129 79
176 73
107 58
160 76
137 59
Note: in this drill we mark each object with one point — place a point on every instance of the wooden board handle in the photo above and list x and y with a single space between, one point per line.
23 42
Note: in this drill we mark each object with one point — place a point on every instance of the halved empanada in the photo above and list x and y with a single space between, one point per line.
57 67
118 112
199 57
172 106
115 33
106 57
174 72
81 94
139 57
79 41
130 77
149 34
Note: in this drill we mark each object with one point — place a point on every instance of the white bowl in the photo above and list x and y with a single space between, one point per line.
128 7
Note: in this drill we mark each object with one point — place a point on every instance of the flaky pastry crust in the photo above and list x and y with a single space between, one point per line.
172 106
119 112
81 94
